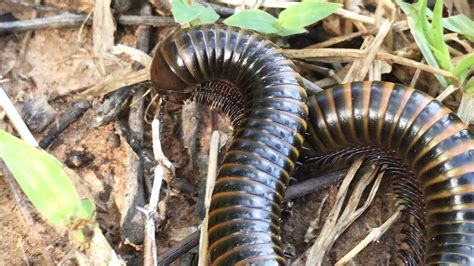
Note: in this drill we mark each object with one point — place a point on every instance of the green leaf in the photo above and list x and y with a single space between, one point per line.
417 26
196 14
442 52
43 180
207 16
421 22
254 19
463 67
288 32
409 9
183 12
460 24
305 13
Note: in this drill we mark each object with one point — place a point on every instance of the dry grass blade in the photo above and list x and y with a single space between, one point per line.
136 54
448 91
374 235
150 252
466 108
351 54
104 27
16 119
360 67
118 80
210 181
336 222
332 217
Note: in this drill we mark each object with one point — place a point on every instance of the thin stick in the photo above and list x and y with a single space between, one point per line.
71 114
311 87
150 253
314 184
69 20
211 180
16 119
374 235
177 250
355 53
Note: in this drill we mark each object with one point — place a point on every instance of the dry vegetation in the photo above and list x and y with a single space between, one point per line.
89 63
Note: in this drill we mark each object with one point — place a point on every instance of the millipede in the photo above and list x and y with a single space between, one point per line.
249 78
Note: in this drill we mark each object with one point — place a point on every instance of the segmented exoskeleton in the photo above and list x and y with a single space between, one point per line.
431 141
249 78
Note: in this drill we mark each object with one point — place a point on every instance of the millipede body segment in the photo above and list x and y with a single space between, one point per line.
431 142
247 77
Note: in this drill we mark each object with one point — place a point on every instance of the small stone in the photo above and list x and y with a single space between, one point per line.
76 159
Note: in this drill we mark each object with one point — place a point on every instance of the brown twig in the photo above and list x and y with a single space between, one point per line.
314 184
111 107
70 115
177 250
69 20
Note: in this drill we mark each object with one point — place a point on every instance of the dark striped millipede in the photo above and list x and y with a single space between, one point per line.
247 77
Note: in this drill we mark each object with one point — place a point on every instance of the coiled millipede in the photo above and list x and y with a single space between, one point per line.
247 77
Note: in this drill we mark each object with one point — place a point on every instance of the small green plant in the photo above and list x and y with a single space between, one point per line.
43 180
430 39
194 14
292 20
